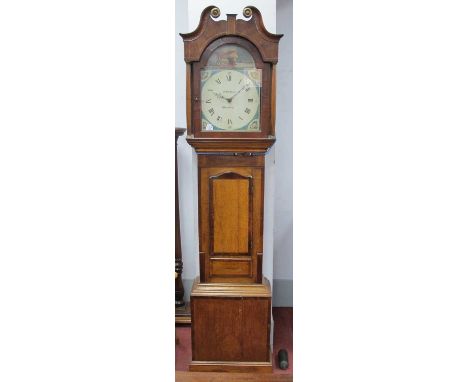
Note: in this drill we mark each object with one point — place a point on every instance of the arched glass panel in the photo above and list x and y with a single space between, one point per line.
230 91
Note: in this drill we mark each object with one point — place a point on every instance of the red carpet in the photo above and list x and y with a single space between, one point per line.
283 339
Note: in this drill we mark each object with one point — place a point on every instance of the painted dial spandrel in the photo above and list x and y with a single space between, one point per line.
231 100
230 91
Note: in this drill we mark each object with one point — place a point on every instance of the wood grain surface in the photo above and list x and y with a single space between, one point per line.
185 376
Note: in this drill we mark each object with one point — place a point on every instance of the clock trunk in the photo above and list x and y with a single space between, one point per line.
231 217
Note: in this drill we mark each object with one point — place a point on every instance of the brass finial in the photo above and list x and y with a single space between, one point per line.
247 12
215 12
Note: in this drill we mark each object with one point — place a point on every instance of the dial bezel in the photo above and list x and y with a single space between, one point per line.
214 90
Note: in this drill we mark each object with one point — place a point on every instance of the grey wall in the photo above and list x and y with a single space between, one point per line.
283 228
187 202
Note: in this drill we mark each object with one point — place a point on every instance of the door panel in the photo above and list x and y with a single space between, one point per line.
231 213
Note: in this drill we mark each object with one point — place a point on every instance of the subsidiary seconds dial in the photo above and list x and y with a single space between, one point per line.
230 101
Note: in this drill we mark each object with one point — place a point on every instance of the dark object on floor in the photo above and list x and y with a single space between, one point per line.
283 359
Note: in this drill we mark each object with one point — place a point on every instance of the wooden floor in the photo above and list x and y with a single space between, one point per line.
187 376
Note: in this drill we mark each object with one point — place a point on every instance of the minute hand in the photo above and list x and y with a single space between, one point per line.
242 88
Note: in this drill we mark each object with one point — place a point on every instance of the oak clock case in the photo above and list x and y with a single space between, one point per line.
230 124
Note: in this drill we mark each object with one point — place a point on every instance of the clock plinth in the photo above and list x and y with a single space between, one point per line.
230 124
236 337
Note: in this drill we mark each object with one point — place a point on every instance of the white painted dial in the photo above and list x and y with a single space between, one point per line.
230 101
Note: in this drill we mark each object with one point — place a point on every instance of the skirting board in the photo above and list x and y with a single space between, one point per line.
282 292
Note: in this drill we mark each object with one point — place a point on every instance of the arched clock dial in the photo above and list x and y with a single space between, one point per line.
231 100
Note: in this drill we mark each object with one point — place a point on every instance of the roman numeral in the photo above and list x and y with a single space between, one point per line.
229 76
250 99
219 118
247 110
240 80
241 118
209 100
247 89
211 111
218 81
229 122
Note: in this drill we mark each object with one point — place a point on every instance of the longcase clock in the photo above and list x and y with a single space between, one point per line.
231 125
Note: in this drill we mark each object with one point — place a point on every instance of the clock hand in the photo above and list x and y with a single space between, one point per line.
230 98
